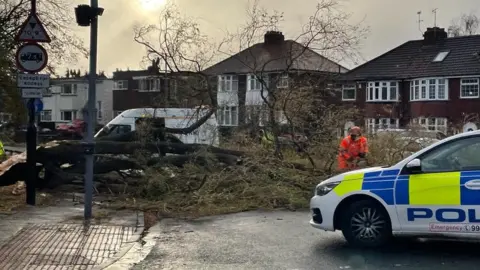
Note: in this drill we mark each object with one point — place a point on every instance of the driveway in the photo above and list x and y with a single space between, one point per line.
285 240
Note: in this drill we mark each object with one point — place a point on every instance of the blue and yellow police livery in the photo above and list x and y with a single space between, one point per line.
434 192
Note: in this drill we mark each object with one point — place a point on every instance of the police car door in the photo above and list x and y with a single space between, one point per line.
439 192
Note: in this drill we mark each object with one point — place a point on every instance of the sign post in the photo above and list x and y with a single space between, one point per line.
88 16
31 57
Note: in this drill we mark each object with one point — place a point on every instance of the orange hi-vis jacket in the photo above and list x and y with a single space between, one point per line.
350 150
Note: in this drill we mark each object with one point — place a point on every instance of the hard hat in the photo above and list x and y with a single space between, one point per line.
355 128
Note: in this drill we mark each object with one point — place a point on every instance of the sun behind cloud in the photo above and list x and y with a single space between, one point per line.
149 5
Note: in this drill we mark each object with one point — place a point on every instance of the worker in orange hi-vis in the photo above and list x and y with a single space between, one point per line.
352 148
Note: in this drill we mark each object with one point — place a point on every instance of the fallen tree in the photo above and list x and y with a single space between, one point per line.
114 156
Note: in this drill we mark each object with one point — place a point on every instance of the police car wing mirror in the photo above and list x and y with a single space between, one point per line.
414 163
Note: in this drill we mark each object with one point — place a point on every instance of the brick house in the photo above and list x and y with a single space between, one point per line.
272 65
432 82
155 88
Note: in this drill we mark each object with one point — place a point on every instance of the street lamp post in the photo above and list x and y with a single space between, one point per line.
88 16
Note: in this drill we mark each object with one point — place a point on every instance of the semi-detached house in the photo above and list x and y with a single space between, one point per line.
272 65
432 82
66 100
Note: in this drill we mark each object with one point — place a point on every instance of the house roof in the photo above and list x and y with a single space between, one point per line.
275 57
128 74
413 59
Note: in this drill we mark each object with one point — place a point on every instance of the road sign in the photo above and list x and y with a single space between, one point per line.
38 103
32 92
32 30
31 57
33 80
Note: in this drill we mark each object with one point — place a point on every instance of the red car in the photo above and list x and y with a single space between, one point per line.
73 129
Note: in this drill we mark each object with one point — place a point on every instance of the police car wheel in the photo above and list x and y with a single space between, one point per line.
366 224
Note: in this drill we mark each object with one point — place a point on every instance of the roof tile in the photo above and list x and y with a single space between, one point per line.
413 59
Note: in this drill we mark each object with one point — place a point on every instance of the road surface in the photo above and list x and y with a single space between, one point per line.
284 240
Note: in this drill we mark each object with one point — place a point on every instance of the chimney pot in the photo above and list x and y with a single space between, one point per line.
274 38
434 35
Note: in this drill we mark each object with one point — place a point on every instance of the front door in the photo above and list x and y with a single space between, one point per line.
443 196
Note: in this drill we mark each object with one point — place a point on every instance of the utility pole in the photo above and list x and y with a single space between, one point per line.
92 78
31 141
88 16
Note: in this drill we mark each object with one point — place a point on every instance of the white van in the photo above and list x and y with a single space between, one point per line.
174 118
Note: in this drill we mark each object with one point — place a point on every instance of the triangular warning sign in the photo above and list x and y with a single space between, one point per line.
32 30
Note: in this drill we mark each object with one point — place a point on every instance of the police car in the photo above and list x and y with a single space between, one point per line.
434 192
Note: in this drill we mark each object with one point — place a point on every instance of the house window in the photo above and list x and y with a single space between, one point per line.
68 115
99 110
283 81
437 124
120 85
349 92
228 116
469 88
382 91
440 56
374 124
69 89
255 83
428 89
227 83
46 115
150 84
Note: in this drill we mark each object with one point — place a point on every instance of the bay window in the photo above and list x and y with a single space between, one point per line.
227 83
374 124
437 124
227 116
429 89
382 91
469 88
349 92
255 83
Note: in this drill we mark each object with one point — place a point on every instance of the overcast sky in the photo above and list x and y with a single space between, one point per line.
391 22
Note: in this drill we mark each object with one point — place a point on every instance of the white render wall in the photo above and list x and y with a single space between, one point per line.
58 102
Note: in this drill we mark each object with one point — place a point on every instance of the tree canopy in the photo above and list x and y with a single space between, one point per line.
56 16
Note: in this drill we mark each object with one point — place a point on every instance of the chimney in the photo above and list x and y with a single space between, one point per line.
273 38
434 35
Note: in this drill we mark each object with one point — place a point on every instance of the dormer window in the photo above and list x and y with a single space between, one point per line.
441 56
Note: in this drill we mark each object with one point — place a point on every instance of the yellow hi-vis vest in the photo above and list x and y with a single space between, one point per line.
2 151
267 139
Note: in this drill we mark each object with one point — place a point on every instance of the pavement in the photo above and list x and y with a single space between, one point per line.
285 240
56 237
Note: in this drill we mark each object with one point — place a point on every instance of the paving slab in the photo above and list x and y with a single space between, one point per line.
56 238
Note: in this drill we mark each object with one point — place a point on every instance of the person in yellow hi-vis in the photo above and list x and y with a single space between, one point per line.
267 138
3 155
